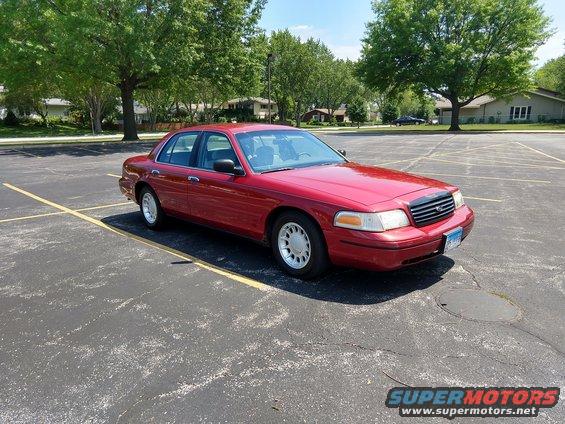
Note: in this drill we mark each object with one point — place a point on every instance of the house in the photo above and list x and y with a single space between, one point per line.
53 107
258 106
323 115
539 105
56 107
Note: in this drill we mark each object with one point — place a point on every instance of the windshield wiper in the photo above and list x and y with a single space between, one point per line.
277 170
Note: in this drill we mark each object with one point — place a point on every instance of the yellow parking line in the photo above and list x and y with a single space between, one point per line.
482 198
486 178
527 157
114 175
202 264
496 165
92 208
443 154
540 152
21 218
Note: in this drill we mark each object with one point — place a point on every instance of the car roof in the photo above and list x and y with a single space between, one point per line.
239 127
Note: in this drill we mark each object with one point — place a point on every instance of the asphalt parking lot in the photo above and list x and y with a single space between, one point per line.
102 320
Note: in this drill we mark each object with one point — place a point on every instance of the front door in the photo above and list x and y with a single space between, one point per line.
221 200
169 175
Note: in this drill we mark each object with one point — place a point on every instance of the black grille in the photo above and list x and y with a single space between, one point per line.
432 208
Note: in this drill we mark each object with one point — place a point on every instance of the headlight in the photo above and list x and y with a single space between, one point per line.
375 221
458 199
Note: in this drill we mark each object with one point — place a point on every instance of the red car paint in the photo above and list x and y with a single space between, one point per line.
246 204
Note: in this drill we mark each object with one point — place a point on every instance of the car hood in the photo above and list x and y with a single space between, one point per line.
359 183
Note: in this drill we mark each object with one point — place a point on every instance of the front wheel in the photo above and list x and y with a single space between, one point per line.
150 208
299 246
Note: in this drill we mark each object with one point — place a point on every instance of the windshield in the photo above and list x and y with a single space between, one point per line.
273 150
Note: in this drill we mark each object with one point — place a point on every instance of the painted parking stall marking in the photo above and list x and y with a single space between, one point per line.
205 265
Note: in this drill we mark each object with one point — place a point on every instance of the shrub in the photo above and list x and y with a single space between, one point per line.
11 120
222 119
389 113
491 120
471 120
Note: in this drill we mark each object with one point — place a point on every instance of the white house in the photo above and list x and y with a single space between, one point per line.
258 105
539 105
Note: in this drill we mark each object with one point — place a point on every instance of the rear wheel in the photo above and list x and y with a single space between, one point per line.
298 246
150 208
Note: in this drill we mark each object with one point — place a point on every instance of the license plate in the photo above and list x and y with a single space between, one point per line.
452 239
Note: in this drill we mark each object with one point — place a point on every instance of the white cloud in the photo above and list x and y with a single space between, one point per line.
306 31
341 51
351 52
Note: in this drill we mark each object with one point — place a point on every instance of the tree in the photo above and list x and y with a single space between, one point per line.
552 75
420 105
459 49
158 103
389 111
96 99
337 84
357 111
130 44
294 72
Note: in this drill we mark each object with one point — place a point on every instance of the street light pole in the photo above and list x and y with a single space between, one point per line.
269 60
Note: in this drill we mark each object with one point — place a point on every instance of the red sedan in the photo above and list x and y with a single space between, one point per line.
286 188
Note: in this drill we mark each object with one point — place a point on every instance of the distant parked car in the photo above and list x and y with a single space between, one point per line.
408 120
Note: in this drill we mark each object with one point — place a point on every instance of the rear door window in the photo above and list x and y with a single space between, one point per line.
178 151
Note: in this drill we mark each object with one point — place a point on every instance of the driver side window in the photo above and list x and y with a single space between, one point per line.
215 146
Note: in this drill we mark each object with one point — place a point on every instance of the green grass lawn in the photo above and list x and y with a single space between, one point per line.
464 127
29 130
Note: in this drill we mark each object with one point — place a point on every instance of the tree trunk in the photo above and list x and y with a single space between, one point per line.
130 128
97 116
282 113
455 107
298 106
97 123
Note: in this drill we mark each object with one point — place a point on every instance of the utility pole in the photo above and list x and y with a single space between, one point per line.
270 58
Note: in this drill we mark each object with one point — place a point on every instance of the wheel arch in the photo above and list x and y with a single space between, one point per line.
278 211
138 187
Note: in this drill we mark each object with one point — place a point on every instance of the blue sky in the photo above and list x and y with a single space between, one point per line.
341 24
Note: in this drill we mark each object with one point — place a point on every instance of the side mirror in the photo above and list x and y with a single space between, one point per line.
342 152
227 166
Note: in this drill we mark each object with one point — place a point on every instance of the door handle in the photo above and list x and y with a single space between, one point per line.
193 179
155 172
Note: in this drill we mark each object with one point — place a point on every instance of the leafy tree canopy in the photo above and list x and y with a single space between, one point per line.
552 75
131 44
460 49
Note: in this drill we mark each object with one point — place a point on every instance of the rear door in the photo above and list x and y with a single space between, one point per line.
169 175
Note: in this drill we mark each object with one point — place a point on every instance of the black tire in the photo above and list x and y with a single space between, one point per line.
318 262
160 215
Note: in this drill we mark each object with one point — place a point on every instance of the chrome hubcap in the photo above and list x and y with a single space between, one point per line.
149 208
294 245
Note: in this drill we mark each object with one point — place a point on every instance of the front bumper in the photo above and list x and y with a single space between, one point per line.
394 249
